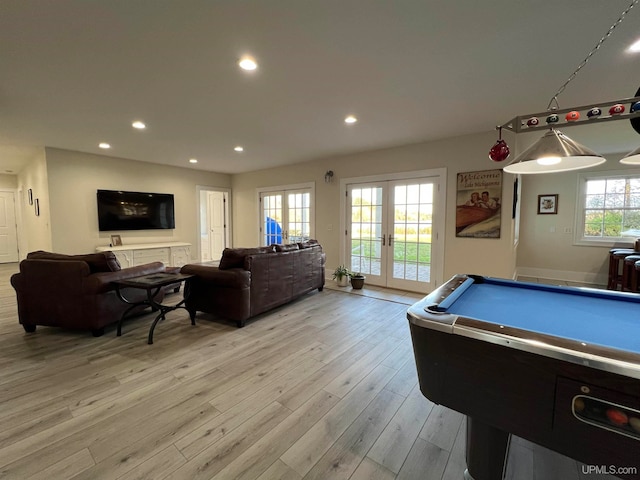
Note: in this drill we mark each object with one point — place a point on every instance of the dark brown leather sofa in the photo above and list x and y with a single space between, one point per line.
250 281
74 291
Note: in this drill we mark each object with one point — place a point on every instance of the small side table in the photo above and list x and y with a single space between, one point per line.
152 283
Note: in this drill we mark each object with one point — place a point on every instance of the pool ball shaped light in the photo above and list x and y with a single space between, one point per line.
617 109
572 116
595 112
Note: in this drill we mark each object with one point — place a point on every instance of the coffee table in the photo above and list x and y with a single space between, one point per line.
152 283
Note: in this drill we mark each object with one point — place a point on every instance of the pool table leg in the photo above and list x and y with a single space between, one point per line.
487 449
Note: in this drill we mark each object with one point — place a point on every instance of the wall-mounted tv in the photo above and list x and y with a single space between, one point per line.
118 210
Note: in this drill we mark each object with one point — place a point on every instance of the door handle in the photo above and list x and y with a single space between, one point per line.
383 239
390 239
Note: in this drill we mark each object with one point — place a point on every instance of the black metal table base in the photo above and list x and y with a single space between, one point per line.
150 302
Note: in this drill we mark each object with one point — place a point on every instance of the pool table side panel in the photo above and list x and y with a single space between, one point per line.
514 391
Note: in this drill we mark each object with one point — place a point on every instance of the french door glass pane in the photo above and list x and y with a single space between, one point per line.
299 217
366 230
412 227
272 217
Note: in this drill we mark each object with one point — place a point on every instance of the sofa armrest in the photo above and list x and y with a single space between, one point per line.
213 276
102 281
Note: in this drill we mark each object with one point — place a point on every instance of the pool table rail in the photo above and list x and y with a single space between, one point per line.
429 313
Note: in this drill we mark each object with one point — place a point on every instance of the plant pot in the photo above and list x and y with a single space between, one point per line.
342 281
357 282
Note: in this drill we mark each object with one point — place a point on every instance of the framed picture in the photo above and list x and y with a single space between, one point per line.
30 196
116 241
478 204
547 204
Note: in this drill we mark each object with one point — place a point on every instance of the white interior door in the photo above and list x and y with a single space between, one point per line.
390 237
217 223
214 224
8 229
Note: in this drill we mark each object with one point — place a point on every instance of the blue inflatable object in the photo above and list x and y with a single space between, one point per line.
273 231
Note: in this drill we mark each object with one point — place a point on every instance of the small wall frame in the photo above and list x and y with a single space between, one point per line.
548 204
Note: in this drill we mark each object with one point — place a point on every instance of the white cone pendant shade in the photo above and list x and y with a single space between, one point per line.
632 158
554 152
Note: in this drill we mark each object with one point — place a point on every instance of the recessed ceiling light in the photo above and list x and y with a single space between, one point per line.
635 47
193 160
239 149
247 63
104 145
350 119
139 125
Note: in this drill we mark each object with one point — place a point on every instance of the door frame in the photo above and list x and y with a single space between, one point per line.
439 212
229 231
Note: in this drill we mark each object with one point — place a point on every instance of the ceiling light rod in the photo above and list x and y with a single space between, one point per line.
519 124
516 124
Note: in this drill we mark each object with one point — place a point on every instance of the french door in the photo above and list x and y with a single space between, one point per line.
286 216
390 233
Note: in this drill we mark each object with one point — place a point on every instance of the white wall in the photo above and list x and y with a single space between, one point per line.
74 178
8 182
495 257
545 249
34 232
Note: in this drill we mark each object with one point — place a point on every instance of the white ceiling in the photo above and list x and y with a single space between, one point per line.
76 73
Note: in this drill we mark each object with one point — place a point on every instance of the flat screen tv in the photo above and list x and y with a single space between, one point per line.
118 210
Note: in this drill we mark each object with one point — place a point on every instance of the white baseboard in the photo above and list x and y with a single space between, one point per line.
563 275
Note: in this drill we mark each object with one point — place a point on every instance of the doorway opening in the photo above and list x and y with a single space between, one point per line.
214 222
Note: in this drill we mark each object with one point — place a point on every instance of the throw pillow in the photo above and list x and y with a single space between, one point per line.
288 247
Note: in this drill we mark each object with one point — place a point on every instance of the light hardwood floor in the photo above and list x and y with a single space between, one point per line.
323 388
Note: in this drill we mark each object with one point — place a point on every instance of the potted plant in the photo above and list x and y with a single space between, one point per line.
341 275
357 280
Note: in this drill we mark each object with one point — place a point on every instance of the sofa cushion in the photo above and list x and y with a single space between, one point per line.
98 262
287 247
234 257
308 244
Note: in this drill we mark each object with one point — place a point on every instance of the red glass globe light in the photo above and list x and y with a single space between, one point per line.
499 152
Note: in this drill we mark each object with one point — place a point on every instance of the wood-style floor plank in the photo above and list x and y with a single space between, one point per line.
322 388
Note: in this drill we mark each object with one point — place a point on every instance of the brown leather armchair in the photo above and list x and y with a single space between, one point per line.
74 291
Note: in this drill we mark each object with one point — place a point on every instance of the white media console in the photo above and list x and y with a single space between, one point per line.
172 254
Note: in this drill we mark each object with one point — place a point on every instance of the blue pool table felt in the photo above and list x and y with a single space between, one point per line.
600 319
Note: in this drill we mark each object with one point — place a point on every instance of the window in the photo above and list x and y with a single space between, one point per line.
609 208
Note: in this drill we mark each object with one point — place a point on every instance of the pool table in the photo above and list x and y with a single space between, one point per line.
558 366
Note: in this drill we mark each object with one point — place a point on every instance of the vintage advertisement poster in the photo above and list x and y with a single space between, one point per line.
479 197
